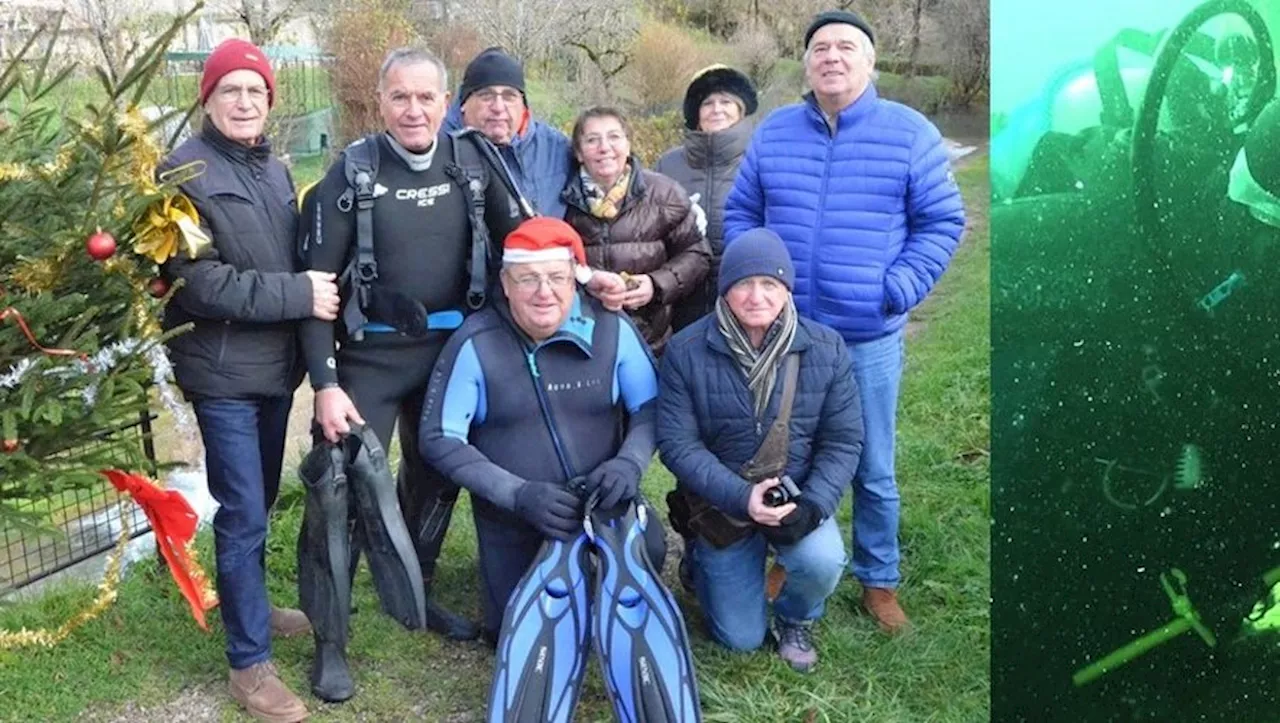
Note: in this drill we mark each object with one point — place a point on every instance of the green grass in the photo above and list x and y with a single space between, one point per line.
144 660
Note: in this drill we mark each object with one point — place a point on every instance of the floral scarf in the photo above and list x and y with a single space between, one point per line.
606 204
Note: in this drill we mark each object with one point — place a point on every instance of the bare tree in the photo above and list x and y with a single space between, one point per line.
967 47
117 28
528 29
605 34
264 19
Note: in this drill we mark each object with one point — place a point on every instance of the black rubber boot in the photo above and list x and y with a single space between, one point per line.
324 583
388 545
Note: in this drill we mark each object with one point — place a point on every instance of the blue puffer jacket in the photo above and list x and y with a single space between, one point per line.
540 160
707 428
871 216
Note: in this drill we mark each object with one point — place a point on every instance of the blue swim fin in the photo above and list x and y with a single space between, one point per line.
639 631
542 649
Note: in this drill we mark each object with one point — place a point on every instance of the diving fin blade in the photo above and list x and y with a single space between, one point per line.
639 631
542 648
397 576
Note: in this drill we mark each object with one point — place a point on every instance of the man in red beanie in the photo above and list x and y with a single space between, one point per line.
543 344
238 366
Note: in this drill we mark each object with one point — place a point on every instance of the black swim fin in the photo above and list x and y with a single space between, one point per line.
397 576
542 648
639 631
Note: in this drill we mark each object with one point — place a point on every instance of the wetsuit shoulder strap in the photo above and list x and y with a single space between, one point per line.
360 165
467 170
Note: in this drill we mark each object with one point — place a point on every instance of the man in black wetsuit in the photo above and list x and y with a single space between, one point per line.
422 241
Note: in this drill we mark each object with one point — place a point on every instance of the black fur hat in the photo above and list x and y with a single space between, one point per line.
717 79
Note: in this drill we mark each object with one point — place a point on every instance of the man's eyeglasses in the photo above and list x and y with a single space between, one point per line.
529 283
509 97
232 93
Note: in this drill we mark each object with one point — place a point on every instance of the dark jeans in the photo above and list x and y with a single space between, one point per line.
244 450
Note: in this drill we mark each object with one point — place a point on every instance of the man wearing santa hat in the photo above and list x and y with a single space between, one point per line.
543 344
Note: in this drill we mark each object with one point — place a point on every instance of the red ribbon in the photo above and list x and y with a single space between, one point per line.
12 313
174 523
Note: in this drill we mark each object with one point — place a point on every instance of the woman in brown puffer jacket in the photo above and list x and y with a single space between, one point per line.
634 221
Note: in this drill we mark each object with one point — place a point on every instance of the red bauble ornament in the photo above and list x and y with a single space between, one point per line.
100 246
158 287
9 446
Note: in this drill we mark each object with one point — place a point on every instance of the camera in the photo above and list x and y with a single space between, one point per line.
785 492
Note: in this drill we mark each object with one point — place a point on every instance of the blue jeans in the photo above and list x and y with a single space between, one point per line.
244 451
877 367
730 583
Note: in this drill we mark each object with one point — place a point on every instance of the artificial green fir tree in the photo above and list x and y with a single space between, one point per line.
83 224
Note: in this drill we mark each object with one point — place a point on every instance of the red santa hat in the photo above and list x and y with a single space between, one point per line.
546 239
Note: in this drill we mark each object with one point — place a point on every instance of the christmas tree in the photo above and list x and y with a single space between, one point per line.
83 224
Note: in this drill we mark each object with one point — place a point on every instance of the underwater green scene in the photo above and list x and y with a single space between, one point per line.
1135 163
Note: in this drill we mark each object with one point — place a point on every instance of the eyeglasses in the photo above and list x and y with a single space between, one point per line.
488 96
232 93
612 139
529 283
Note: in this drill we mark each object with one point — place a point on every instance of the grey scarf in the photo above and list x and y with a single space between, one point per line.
760 366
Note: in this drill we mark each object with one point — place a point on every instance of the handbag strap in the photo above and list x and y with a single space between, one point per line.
771 457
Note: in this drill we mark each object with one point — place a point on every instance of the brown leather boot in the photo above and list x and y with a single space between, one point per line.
264 696
882 605
773 583
287 622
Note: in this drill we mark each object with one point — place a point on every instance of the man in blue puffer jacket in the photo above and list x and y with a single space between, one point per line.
861 191
492 100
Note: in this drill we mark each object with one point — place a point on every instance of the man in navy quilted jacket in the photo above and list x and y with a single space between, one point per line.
860 189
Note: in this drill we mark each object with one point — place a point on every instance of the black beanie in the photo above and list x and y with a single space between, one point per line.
1261 151
491 67
758 252
717 79
837 16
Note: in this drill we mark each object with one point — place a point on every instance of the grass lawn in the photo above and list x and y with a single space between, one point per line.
145 660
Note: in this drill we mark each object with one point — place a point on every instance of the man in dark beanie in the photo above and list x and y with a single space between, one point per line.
492 100
245 294
873 239
730 445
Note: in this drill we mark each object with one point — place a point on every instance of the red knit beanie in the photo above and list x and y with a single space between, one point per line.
231 55
543 238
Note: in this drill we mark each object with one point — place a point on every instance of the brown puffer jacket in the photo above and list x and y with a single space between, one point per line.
654 233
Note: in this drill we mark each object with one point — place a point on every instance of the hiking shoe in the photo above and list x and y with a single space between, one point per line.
795 644
881 604
264 696
287 623
450 624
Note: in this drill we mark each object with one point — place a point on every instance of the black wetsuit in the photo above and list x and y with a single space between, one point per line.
422 241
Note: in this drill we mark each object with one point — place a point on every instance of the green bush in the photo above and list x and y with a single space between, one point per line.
651 136
926 93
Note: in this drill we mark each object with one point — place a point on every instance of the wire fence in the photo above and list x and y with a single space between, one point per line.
84 522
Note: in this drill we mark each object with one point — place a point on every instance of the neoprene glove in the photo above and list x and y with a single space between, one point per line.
551 508
804 519
618 481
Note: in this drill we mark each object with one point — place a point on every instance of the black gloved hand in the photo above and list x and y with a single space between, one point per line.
617 479
551 508
804 519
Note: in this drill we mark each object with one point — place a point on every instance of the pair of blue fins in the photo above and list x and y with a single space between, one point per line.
637 627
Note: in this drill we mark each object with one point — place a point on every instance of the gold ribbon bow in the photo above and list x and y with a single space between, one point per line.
167 226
